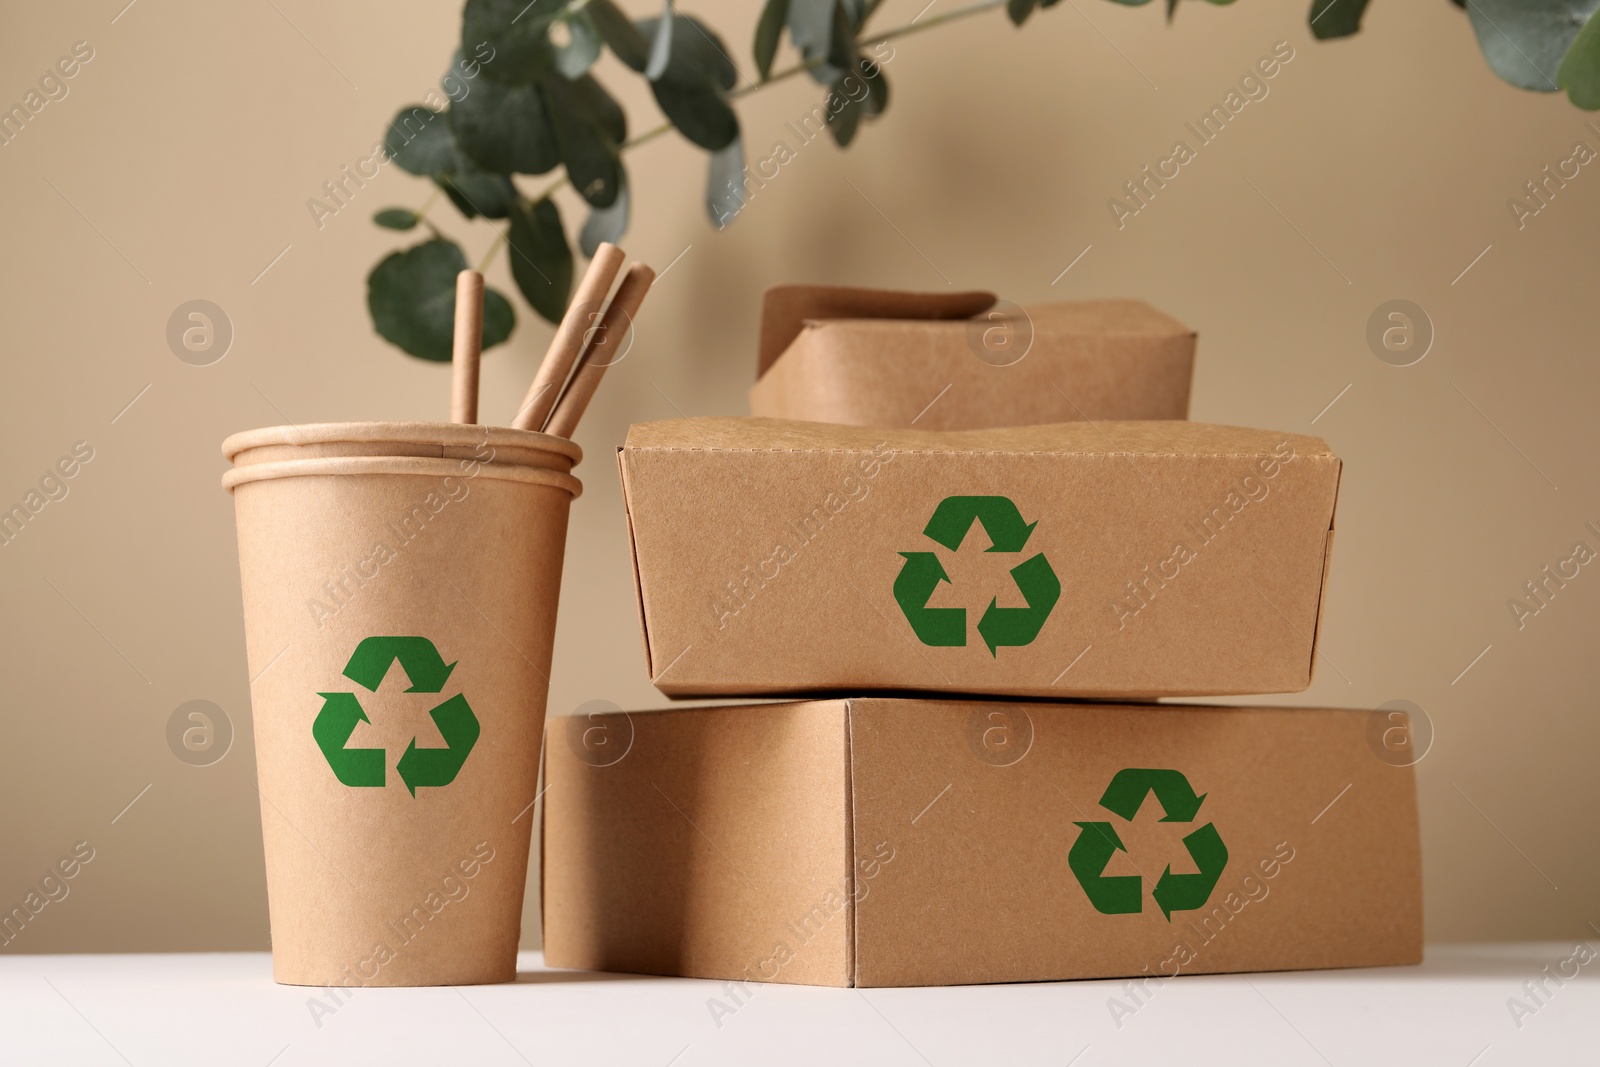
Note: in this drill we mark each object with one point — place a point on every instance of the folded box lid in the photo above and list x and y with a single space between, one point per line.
956 361
788 309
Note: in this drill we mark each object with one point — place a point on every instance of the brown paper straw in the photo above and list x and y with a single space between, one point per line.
569 338
468 347
602 352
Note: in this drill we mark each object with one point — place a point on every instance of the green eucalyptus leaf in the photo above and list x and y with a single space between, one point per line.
877 99
463 71
498 318
691 91
842 43
774 13
1524 40
864 92
725 185
593 165
620 34
477 192
518 33
432 151
811 31
541 259
844 110
1579 73
605 224
598 104
411 296
1335 18
697 49
397 218
697 109
661 45
420 141
506 128
574 58
1019 10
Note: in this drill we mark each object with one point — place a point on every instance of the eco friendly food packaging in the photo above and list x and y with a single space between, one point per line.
400 584
1105 560
900 842
960 361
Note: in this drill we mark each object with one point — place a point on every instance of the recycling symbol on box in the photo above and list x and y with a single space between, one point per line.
342 712
1097 842
922 572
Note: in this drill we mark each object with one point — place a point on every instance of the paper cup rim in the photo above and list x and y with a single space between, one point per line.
443 434
416 466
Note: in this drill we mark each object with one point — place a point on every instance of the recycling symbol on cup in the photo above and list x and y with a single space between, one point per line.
342 712
1097 842
922 572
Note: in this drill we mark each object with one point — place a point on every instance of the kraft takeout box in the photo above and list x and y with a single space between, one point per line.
959 361
894 842
1110 560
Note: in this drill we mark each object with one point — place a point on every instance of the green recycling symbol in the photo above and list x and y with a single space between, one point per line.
1097 842
341 712
922 572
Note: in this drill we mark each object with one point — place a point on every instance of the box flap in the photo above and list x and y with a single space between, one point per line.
633 563
1160 438
785 310
1327 561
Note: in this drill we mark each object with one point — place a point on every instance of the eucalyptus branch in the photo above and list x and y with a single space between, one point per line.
510 129
914 26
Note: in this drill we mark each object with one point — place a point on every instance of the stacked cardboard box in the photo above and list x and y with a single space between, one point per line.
1015 823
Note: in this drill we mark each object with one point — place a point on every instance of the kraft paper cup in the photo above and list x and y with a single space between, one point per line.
399 615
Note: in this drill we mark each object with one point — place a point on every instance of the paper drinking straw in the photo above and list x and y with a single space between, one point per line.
568 342
468 347
602 350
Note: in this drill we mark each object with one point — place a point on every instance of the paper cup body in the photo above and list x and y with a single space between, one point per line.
399 618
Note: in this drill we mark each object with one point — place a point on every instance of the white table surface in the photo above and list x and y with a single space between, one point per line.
225 1009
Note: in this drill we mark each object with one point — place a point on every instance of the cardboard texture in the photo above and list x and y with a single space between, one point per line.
1113 560
399 614
955 362
896 842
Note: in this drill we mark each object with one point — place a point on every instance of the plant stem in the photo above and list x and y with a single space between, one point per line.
422 213
502 237
937 20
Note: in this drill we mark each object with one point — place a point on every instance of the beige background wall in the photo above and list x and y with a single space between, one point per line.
179 167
